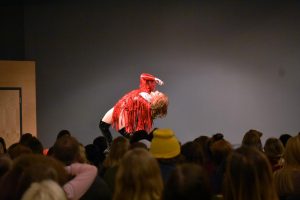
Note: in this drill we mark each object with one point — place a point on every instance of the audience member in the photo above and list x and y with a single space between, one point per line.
25 138
86 184
120 145
252 139
287 179
166 149
248 176
44 190
220 150
274 150
188 182
35 145
138 177
284 138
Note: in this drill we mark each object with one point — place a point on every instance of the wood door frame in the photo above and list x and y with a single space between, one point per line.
20 102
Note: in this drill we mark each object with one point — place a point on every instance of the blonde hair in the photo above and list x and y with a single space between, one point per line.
45 190
284 177
248 176
138 177
159 105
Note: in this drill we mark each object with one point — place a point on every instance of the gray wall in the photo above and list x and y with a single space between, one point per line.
227 67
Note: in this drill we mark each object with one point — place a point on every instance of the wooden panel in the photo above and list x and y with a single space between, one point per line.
10 116
22 74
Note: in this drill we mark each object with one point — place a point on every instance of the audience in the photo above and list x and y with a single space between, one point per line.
205 168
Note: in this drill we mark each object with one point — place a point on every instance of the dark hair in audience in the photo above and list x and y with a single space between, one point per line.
284 138
94 155
17 149
35 145
66 149
63 133
188 181
2 141
101 143
25 138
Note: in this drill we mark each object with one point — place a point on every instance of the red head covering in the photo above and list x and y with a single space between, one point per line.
148 82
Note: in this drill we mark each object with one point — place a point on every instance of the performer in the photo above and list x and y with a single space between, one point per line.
132 116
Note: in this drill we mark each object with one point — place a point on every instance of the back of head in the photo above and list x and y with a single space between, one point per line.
66 149
138 177
62 133
25 138
101 143
247 172
35 145
18 149
164 144
27 169
220 150
119 147
94 155
252 139
273 148
292 152
284 138
45 190
188 182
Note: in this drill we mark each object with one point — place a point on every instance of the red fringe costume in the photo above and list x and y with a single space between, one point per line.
133 111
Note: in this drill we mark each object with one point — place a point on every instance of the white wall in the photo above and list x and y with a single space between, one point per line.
228 67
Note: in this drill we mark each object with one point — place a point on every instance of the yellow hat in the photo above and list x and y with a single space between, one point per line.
164 144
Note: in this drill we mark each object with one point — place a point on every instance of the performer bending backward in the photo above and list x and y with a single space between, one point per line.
133 115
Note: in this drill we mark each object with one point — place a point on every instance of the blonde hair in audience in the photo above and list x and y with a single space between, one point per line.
284 177
248 176
45 190
138 177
